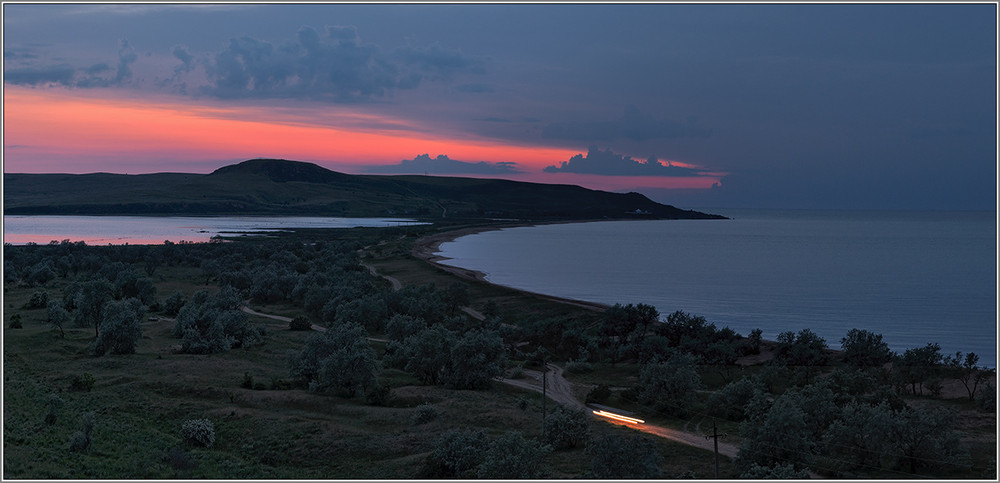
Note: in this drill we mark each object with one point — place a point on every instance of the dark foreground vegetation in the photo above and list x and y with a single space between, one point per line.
140 362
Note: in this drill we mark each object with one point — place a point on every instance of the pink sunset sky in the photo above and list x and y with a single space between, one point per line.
767 106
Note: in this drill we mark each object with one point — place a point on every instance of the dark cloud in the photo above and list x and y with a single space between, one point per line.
608 163
336 66
632 125
443 165
96 75
53 74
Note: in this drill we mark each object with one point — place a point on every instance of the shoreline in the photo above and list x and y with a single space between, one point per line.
425 248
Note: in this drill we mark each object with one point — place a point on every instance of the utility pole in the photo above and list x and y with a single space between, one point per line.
715 435
545 385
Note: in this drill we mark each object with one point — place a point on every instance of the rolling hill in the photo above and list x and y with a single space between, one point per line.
281 187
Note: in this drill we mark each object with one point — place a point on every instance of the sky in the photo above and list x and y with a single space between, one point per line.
809 106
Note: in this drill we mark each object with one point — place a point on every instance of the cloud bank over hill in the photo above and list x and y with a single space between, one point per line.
443 165
609 163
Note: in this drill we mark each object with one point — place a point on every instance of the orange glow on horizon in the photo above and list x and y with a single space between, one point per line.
84 131
57 122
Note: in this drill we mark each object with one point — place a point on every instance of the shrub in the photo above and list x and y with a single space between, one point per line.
565 428
83 382
513 456
200 432
578 367
54 403
460 451
120 328
15 321
619 456
986 398
38 300
378 395
599 394
300 323
84 438
172 305
247 381
425 413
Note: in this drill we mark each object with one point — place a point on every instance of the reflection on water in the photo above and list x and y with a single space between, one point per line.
144 230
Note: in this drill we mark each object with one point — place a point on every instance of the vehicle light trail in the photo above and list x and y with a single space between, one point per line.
619 417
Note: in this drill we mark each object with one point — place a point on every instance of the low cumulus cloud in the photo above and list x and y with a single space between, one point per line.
32 72
334 65
444 165
609 163
633 125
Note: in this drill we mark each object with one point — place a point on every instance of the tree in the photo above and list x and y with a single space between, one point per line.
213 323
925 438
777 435
565 428
172 305
670 385
865 349
968 372
89 303
730 402
805 349
476 359
401 326
428 352
916 365
121 327
615 456
512 456
339 361
57 316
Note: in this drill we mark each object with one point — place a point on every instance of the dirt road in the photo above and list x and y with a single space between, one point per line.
560 390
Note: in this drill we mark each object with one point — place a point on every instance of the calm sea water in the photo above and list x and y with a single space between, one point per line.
915 277
135 230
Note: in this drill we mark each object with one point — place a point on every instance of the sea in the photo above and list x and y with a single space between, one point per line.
914 277
145 230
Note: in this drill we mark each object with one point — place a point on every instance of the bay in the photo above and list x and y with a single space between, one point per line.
145 230
915 277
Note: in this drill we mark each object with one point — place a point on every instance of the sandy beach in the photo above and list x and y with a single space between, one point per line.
426 249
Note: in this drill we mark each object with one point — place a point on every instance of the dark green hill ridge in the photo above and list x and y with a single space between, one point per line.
281 187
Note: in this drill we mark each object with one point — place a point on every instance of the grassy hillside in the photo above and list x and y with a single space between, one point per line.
267 186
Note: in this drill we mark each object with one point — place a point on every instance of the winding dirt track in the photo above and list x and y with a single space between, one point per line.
558 388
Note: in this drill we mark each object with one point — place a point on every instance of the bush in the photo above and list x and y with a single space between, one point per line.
83 382
578 367
986 398
200 432
425 413
172 305
300 323
513 456
15 321
460 451
247 381
378 395
631 457
54 403
84 438
120 327
38 300
565 428
599 394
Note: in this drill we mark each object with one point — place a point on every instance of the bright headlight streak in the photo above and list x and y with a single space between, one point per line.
619 417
